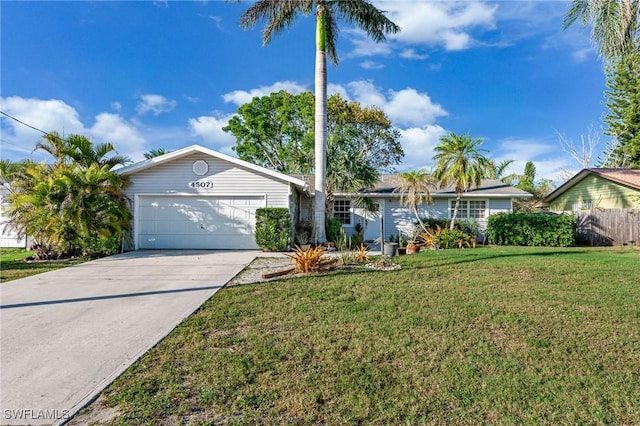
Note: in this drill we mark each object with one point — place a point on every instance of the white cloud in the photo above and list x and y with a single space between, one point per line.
46 115
217 20
418 144
365 46
209 128
56 115
406 107
157 104
412 54
371 65
546 156
116 106
439 23
113 128
240 97
333 88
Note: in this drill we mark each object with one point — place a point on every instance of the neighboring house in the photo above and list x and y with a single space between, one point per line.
394 218
196 198
8 238
597 188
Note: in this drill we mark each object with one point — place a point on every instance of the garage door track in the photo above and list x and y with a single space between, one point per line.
65 335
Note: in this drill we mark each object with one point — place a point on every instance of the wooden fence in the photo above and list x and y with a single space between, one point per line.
606 227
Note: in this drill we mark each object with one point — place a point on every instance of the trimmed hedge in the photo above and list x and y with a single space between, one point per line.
532 229
273 228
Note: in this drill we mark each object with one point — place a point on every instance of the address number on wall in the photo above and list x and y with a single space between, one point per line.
206 184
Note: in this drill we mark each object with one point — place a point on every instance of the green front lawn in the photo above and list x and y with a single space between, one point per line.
485 336
13 264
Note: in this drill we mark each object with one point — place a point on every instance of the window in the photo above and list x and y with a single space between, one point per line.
342 211
475 209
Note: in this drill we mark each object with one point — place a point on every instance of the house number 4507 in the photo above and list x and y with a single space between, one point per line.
201 184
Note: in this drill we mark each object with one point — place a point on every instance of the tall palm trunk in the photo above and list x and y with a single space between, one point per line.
320 125
455 211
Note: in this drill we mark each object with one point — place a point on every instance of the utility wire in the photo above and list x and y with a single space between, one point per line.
50 134
23 123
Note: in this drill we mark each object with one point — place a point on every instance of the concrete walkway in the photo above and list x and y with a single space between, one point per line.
65 335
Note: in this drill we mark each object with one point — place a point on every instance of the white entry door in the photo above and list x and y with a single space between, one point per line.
197 222
374 223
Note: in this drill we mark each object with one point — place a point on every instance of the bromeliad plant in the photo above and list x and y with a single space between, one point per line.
310 259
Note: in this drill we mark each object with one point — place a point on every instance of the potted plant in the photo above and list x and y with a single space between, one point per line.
302 239
389 247
413 245
401 246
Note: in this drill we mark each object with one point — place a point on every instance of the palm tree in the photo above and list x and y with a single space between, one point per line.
55 145
85 153
415 190
157 152
279 15
498 171
460 162
615 24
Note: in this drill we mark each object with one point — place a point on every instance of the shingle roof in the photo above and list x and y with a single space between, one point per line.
387 183
628 177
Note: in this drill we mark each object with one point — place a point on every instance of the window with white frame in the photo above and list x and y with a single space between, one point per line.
469 209
342 211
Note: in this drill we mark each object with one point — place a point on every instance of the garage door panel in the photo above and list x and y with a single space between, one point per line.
184 222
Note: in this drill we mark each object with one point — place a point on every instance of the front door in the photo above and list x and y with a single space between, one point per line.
373 223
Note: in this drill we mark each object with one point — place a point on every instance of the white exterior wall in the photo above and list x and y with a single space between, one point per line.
8 238
227 178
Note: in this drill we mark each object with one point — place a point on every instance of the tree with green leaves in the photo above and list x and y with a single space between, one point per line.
415 190
279 15
615 24
499 171
538 188
156 152
623 118
275 131
76 206
80 151
459 161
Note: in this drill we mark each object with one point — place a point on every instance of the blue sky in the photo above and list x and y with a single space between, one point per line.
149 74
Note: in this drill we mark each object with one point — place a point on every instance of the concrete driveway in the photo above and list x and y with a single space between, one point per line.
65 335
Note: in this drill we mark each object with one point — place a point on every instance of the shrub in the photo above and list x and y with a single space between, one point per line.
433 223
451 238
273 228
332 228
532 229
310 260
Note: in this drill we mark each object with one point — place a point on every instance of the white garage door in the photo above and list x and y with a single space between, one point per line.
202 222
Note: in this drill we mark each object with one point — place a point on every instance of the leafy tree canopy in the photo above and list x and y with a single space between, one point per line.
623 118
276 131
75 206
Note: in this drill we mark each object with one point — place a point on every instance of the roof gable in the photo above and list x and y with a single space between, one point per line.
166 158
627 177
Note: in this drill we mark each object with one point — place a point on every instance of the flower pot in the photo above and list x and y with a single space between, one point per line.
413 248
389 249
401 251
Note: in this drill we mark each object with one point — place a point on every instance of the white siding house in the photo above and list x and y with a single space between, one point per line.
394 218
196 198
8 238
